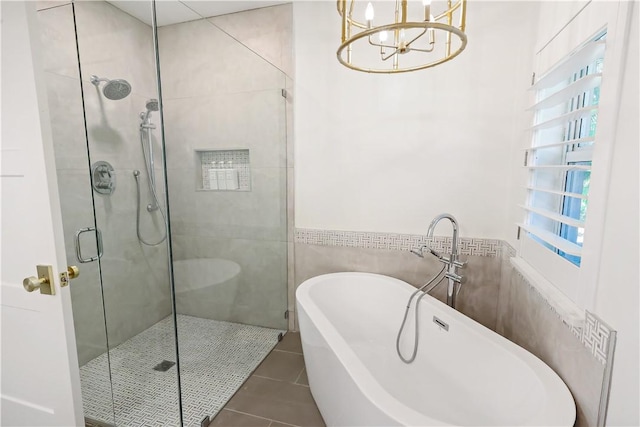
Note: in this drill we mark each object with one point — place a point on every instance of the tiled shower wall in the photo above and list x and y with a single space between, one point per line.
495 295
135 281
223 80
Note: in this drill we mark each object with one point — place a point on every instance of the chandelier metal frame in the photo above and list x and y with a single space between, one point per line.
394 49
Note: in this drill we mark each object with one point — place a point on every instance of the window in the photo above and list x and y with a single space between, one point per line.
560 156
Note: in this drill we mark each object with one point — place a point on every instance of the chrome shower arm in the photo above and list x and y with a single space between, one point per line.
95 80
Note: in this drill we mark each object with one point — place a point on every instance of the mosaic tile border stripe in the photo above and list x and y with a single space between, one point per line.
398 242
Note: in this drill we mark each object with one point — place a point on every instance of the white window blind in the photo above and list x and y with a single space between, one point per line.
559 158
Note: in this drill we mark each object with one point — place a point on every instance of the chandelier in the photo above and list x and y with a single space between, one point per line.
409 38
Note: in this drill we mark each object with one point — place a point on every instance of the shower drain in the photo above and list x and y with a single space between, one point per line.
164 366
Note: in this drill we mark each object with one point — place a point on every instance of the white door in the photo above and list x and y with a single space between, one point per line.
40 382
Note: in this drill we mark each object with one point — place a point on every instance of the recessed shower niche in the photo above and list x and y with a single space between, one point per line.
223 170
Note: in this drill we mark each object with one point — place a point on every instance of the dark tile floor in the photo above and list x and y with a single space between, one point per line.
276 394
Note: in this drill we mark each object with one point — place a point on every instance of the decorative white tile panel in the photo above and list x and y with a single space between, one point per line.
399 242
577 331
215 359
596 336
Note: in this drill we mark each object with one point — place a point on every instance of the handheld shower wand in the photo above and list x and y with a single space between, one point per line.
147 147
149 163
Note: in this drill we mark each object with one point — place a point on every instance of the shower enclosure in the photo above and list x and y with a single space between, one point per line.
170 144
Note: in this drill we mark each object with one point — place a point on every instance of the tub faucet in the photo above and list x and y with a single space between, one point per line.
452 263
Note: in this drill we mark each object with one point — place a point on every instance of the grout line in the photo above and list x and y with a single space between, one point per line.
268 378
299 375
280 422
257 416
54 6
246 413
287 351
276 379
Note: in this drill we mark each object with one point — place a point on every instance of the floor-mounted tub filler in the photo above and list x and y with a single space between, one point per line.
464 374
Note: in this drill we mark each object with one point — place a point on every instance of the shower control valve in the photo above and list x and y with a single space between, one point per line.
103 177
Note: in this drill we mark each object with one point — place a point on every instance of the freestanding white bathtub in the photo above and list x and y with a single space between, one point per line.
464 376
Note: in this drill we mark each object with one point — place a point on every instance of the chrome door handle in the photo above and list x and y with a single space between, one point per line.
79 249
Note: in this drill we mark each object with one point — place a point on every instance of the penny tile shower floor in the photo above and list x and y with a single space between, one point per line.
215 357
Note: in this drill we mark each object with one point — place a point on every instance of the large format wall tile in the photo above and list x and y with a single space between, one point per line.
115 45
266 31
256 214
59 55
67 123
525 318
477 298
253 120
259 297
197 58
136 286
86 293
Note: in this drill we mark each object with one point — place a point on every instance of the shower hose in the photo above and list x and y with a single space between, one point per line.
406 312
136 175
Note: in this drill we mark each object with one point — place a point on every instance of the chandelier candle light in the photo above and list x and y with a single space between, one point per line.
399 44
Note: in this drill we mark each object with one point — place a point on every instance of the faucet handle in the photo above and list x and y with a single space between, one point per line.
444 260
460 264
455 277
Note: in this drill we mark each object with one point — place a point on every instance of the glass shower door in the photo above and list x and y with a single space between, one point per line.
62 79
120 92
101 80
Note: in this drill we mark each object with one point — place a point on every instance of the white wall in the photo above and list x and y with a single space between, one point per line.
389 152
617 296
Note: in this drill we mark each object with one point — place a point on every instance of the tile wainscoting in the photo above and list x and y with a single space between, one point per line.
495 295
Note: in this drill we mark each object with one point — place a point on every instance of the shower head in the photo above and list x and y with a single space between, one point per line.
114 89
117 89
152 105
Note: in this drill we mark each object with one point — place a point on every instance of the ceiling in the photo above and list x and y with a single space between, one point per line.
173 12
